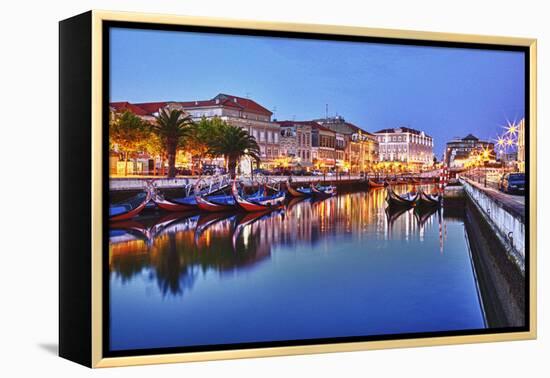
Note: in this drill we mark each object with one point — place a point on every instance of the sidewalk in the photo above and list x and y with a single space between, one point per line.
514 204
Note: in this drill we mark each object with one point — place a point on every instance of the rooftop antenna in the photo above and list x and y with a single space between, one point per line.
326 112
247 94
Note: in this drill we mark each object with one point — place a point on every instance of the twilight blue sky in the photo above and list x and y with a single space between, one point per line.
446 92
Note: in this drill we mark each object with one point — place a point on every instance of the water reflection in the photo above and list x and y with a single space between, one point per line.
202 260
178 245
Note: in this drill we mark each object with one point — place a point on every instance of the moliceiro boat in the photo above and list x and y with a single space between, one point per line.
216 203
429 200
298 192
129 208
188 202
175 204
376 184
403 200
260 202
323 191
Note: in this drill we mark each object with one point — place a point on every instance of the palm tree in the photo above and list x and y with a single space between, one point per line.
233 143
172 126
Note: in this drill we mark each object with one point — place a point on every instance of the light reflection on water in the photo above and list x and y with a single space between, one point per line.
343 266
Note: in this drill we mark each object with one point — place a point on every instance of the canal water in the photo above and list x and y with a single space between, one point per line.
338 267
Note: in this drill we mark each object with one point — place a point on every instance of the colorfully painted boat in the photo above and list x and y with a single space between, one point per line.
129 208
400 200
376 184
298 192
175 204
214 204
429 200
260 202
323 191
188 203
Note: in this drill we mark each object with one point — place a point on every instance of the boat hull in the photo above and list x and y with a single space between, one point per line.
428 200
396 200
213 207
297 192
259 204
373 184
133 212
170 205
323 193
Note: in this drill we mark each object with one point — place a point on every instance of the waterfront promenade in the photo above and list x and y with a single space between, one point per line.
513 203
138 182
505 217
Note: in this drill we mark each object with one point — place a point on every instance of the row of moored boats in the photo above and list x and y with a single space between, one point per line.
414 198
219 195
222 194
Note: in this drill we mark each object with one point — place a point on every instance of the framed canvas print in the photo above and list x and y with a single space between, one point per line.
235 189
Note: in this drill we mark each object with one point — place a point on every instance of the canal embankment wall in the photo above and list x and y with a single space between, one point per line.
499 268
506 218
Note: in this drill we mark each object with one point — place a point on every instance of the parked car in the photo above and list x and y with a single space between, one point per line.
317 173
512 183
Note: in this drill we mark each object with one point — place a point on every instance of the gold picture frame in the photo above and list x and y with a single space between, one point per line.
95 21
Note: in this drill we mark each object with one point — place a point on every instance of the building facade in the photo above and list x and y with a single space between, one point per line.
458 152
323 144
237 111
295 143
404 149
360 147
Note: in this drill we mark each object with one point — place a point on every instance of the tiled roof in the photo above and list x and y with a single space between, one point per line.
152 107
126 106
293 123
221 99
315 125
357 128
246 103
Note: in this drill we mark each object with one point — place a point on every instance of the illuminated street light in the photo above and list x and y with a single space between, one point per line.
511 129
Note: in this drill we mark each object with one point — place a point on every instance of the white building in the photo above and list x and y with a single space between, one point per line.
236 111
405 146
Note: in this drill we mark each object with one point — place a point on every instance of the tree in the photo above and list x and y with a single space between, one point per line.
126 133
200 138
233 143
155 148
172 126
